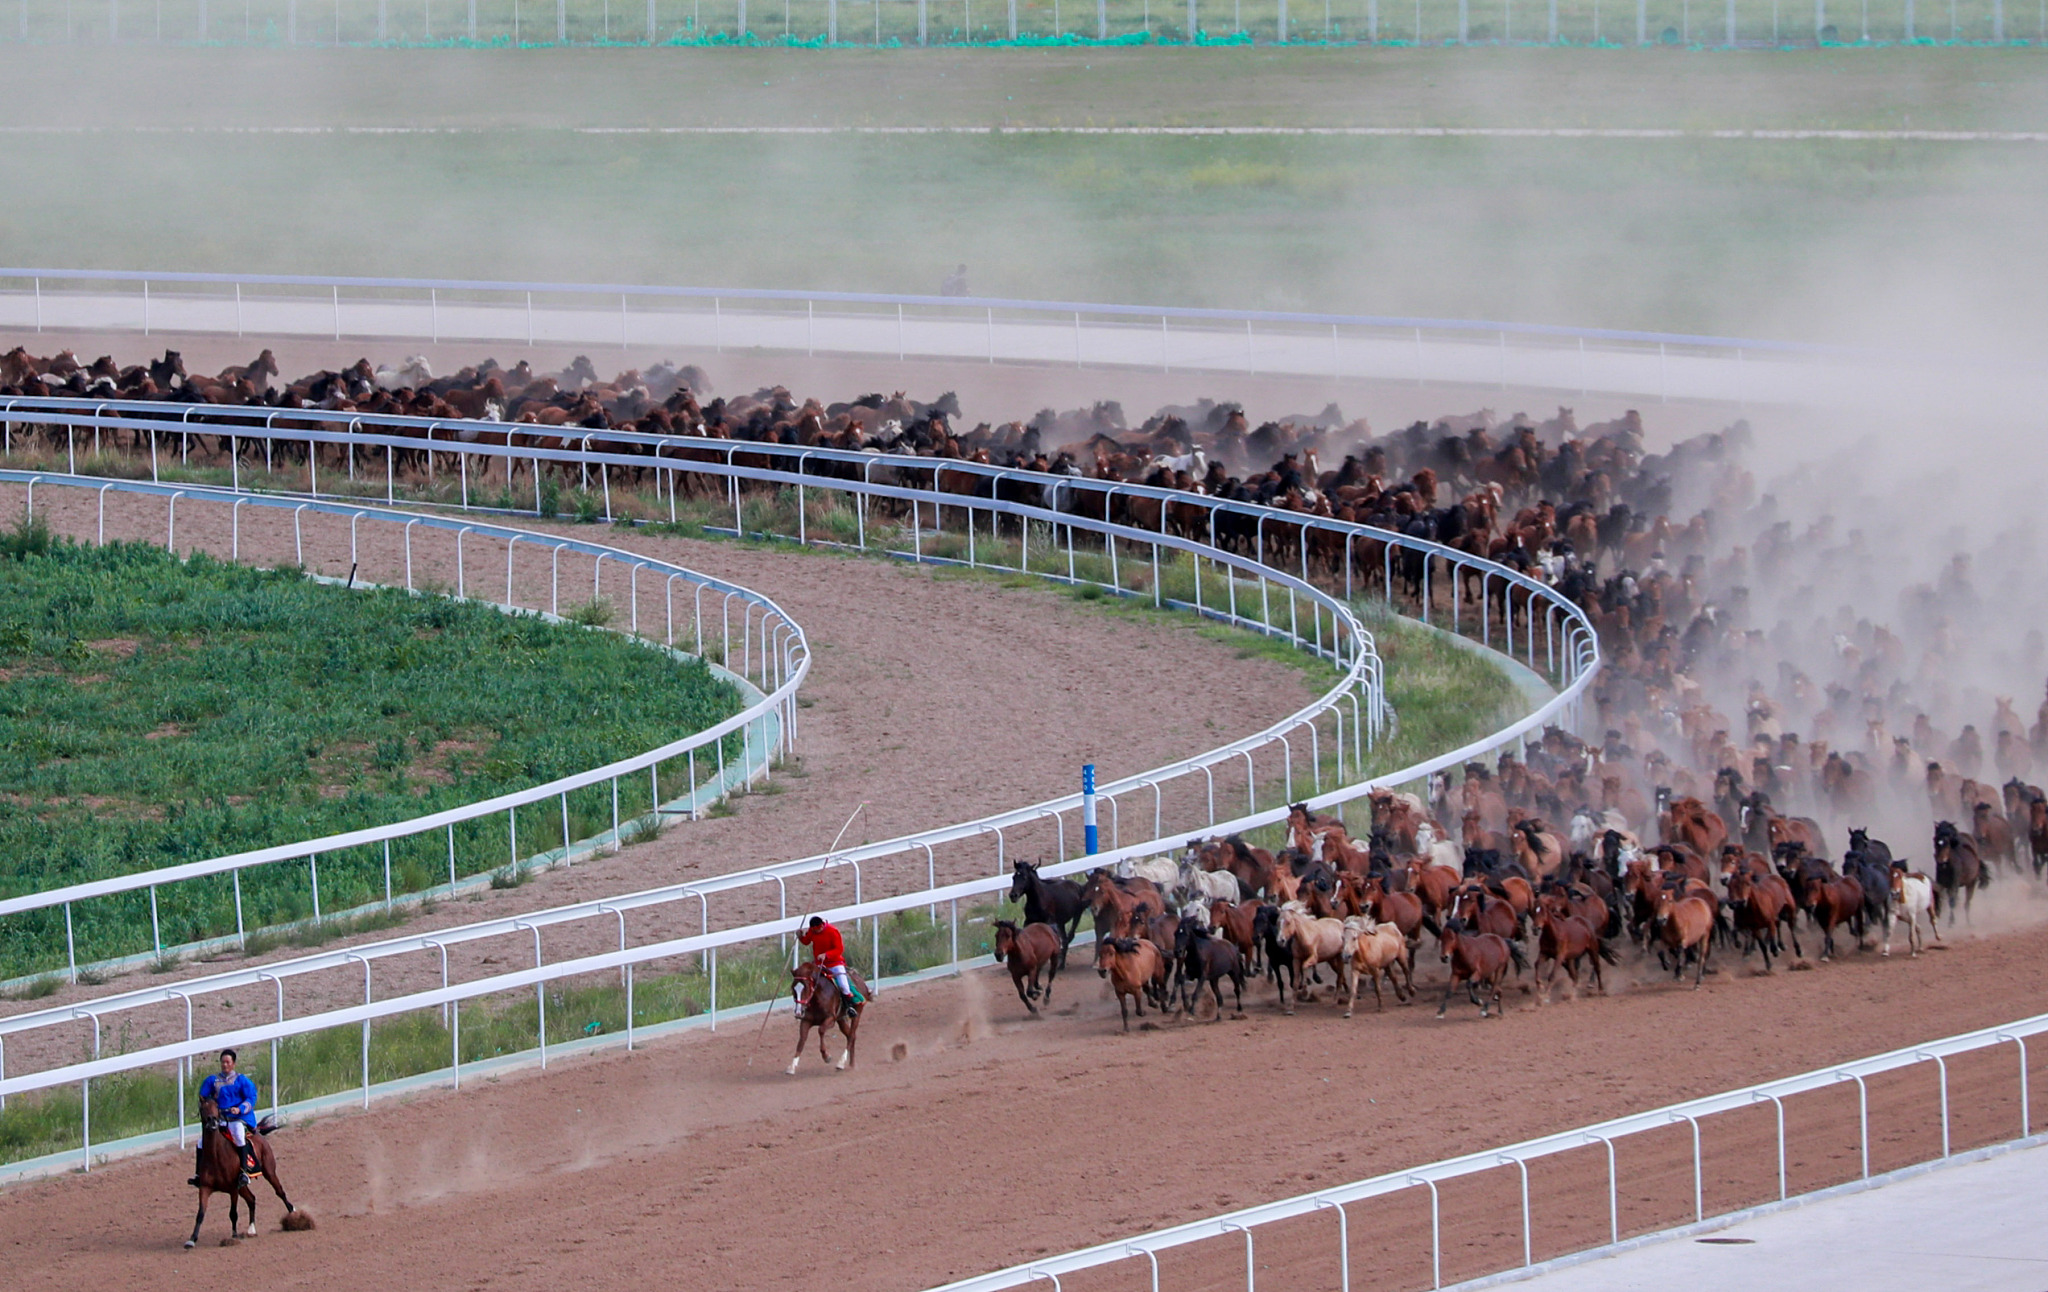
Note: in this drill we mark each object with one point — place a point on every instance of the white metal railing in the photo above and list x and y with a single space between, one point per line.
774 660
1570 654
707 945
1245 1223
1352 715
1657 365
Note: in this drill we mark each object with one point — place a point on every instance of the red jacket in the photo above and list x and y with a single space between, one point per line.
827 947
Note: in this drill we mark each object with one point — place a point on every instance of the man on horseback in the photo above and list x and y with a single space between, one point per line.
235 1095
828 951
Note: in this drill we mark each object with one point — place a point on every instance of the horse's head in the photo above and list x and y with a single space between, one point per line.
1006 938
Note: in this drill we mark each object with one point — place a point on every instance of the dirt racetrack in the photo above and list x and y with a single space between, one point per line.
696 1163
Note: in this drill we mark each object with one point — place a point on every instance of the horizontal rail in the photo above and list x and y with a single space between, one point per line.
1059 308
1401 1181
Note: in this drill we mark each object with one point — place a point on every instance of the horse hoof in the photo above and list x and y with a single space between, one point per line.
791 1069
190 1244
841 1065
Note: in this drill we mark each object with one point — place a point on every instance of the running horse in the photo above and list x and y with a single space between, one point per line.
220 1171
818 1005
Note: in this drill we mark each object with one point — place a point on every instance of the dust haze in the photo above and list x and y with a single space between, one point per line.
1877 570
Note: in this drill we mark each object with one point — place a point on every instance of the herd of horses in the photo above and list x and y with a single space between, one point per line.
1525 899
1678 829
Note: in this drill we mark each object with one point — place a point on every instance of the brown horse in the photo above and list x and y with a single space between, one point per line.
1685 927
818 1005
1028 951
1566 941
1832 901
1761 902
1957 867
1994 835
1477 959
1137 970
220 1171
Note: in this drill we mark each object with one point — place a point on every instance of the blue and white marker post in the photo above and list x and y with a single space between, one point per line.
1089 839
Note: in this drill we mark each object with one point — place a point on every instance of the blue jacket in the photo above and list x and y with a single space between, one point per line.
231 1094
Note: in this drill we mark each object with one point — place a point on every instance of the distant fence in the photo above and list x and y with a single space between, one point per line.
985 22
690 321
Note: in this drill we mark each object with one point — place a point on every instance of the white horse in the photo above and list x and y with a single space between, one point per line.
1160 870
1209 885
1915 895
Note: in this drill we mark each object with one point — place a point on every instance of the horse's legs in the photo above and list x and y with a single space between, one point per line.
803 1033
204 1194
234 1222
1019 980
1052 971
1700 971
849 1029
1449 987
1125 1010
249 1196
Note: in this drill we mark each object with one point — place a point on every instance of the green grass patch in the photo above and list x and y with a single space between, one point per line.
155 711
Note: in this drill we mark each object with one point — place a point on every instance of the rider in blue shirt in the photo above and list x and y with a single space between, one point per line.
235 1095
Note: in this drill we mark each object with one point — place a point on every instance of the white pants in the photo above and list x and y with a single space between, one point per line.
238 1131
839 978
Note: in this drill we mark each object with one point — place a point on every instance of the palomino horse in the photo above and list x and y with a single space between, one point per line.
1315 940
1371 949
220 1171
1029 951
818 1005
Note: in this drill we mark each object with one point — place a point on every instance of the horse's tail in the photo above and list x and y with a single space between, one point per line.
1607 954
268 1126
1515 950
1430 926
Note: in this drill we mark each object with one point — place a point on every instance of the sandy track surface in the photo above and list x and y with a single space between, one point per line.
932 699
992 1139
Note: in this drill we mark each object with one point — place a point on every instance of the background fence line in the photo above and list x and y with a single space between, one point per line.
1263 343
817 23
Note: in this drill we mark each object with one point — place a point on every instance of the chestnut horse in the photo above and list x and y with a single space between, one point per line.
817 1005
220 1171
1029 951
1477 959
1566 941
1137 970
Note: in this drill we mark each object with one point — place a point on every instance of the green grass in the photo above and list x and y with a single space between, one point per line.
156 711
329 1062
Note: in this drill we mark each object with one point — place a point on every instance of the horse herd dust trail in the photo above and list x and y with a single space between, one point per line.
696 1163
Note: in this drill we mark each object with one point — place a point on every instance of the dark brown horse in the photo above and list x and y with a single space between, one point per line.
1029 951
1477 960
220 1171
1566 941
818 1005
1957 867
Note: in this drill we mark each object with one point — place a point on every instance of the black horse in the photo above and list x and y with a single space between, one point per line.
1056 902
1205 959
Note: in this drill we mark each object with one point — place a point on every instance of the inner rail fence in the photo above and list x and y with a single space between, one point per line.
332 23
1569 655
1275 1237
751 641
1354 708
695 320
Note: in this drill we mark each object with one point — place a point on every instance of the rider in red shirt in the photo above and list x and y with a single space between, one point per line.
829 950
